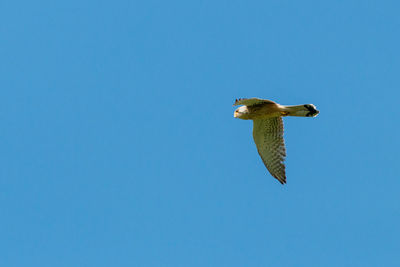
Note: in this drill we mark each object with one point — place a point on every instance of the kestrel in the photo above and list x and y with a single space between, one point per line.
268 129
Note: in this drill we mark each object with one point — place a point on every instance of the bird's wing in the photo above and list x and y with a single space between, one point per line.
252 101
268 136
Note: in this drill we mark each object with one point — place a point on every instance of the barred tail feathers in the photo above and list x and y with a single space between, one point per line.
307 110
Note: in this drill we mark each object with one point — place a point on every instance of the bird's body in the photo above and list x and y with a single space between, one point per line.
268 129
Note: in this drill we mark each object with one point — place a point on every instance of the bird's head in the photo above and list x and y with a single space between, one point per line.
241 112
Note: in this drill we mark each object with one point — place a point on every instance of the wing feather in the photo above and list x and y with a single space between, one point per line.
252 101
268 136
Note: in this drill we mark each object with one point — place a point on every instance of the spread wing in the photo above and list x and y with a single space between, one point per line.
252 101
268 136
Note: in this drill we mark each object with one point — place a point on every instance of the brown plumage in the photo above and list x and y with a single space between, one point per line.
268 129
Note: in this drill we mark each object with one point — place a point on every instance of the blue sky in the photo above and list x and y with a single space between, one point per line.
119 146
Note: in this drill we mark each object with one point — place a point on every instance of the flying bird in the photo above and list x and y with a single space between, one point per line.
268 129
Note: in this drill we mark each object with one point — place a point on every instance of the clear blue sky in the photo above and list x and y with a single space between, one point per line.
119 146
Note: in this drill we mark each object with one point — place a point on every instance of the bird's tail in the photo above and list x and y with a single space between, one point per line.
307 110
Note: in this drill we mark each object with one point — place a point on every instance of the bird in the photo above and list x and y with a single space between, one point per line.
268 129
